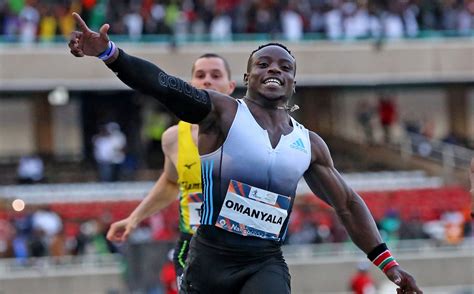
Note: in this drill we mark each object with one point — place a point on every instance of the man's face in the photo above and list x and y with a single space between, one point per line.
210 73
272 73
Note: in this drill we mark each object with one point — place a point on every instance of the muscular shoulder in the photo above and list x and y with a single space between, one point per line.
223 111
319 150
169 140
222 103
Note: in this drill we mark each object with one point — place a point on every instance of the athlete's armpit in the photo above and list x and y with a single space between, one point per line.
213 129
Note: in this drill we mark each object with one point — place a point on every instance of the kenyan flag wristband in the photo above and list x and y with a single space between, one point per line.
382 258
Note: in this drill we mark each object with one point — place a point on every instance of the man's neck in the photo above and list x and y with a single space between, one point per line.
285 107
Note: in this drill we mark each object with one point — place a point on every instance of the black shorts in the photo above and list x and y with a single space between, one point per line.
181 253
211 269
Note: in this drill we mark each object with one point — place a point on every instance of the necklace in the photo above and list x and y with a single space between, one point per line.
286 107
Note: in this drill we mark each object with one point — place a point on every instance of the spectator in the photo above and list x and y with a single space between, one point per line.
334 18
412 228
155 124
292 23
362 282
7 233
29 20
307 233
47 25
316 19
266 17
365 114
356 20
390 225
47 221
453 221
57 247
168 275
109 151
387 115
221 27
65 20
333 21
37 245
21 248
134 23
30 170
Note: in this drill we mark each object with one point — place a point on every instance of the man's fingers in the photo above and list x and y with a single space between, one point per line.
74 39
104 30
74 46
110 233
397 279
125 235
75 36
113 231
80 22
77 53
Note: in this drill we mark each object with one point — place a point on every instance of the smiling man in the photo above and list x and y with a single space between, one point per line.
253 153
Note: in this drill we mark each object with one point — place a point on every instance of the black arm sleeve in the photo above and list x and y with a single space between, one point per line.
185 101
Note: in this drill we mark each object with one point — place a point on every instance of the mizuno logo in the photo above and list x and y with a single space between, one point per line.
189 165
298 145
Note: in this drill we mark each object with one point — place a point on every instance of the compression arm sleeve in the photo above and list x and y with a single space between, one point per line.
185 101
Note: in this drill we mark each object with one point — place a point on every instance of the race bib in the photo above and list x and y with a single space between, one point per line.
194 207
250 211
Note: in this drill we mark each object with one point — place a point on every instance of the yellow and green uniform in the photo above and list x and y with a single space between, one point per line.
189 179
188 166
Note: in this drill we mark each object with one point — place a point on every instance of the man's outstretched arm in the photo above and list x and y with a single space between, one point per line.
185 101
326 182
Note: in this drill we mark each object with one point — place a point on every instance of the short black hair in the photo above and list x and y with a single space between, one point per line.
266 45
213 55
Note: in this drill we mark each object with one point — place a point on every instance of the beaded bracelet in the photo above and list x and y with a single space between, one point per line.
381 257
109 52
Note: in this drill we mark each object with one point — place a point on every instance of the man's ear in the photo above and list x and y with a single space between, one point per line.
231 87
246 79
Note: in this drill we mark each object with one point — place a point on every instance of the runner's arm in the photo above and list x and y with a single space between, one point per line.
326 182
166 188
185 101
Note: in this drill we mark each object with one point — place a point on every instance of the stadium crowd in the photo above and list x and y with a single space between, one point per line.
32 20
41 232
49 230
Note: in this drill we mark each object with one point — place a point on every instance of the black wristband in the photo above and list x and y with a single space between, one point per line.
377 251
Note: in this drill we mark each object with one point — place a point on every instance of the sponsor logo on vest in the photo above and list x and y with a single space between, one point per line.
254 213
298 145
188 166
245 231
189 186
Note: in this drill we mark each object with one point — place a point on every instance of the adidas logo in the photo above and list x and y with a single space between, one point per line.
298 145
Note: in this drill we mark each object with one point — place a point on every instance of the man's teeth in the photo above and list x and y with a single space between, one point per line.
273 81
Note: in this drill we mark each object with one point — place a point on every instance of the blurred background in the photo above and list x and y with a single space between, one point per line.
388 84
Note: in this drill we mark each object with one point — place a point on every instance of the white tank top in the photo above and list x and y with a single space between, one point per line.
247 156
